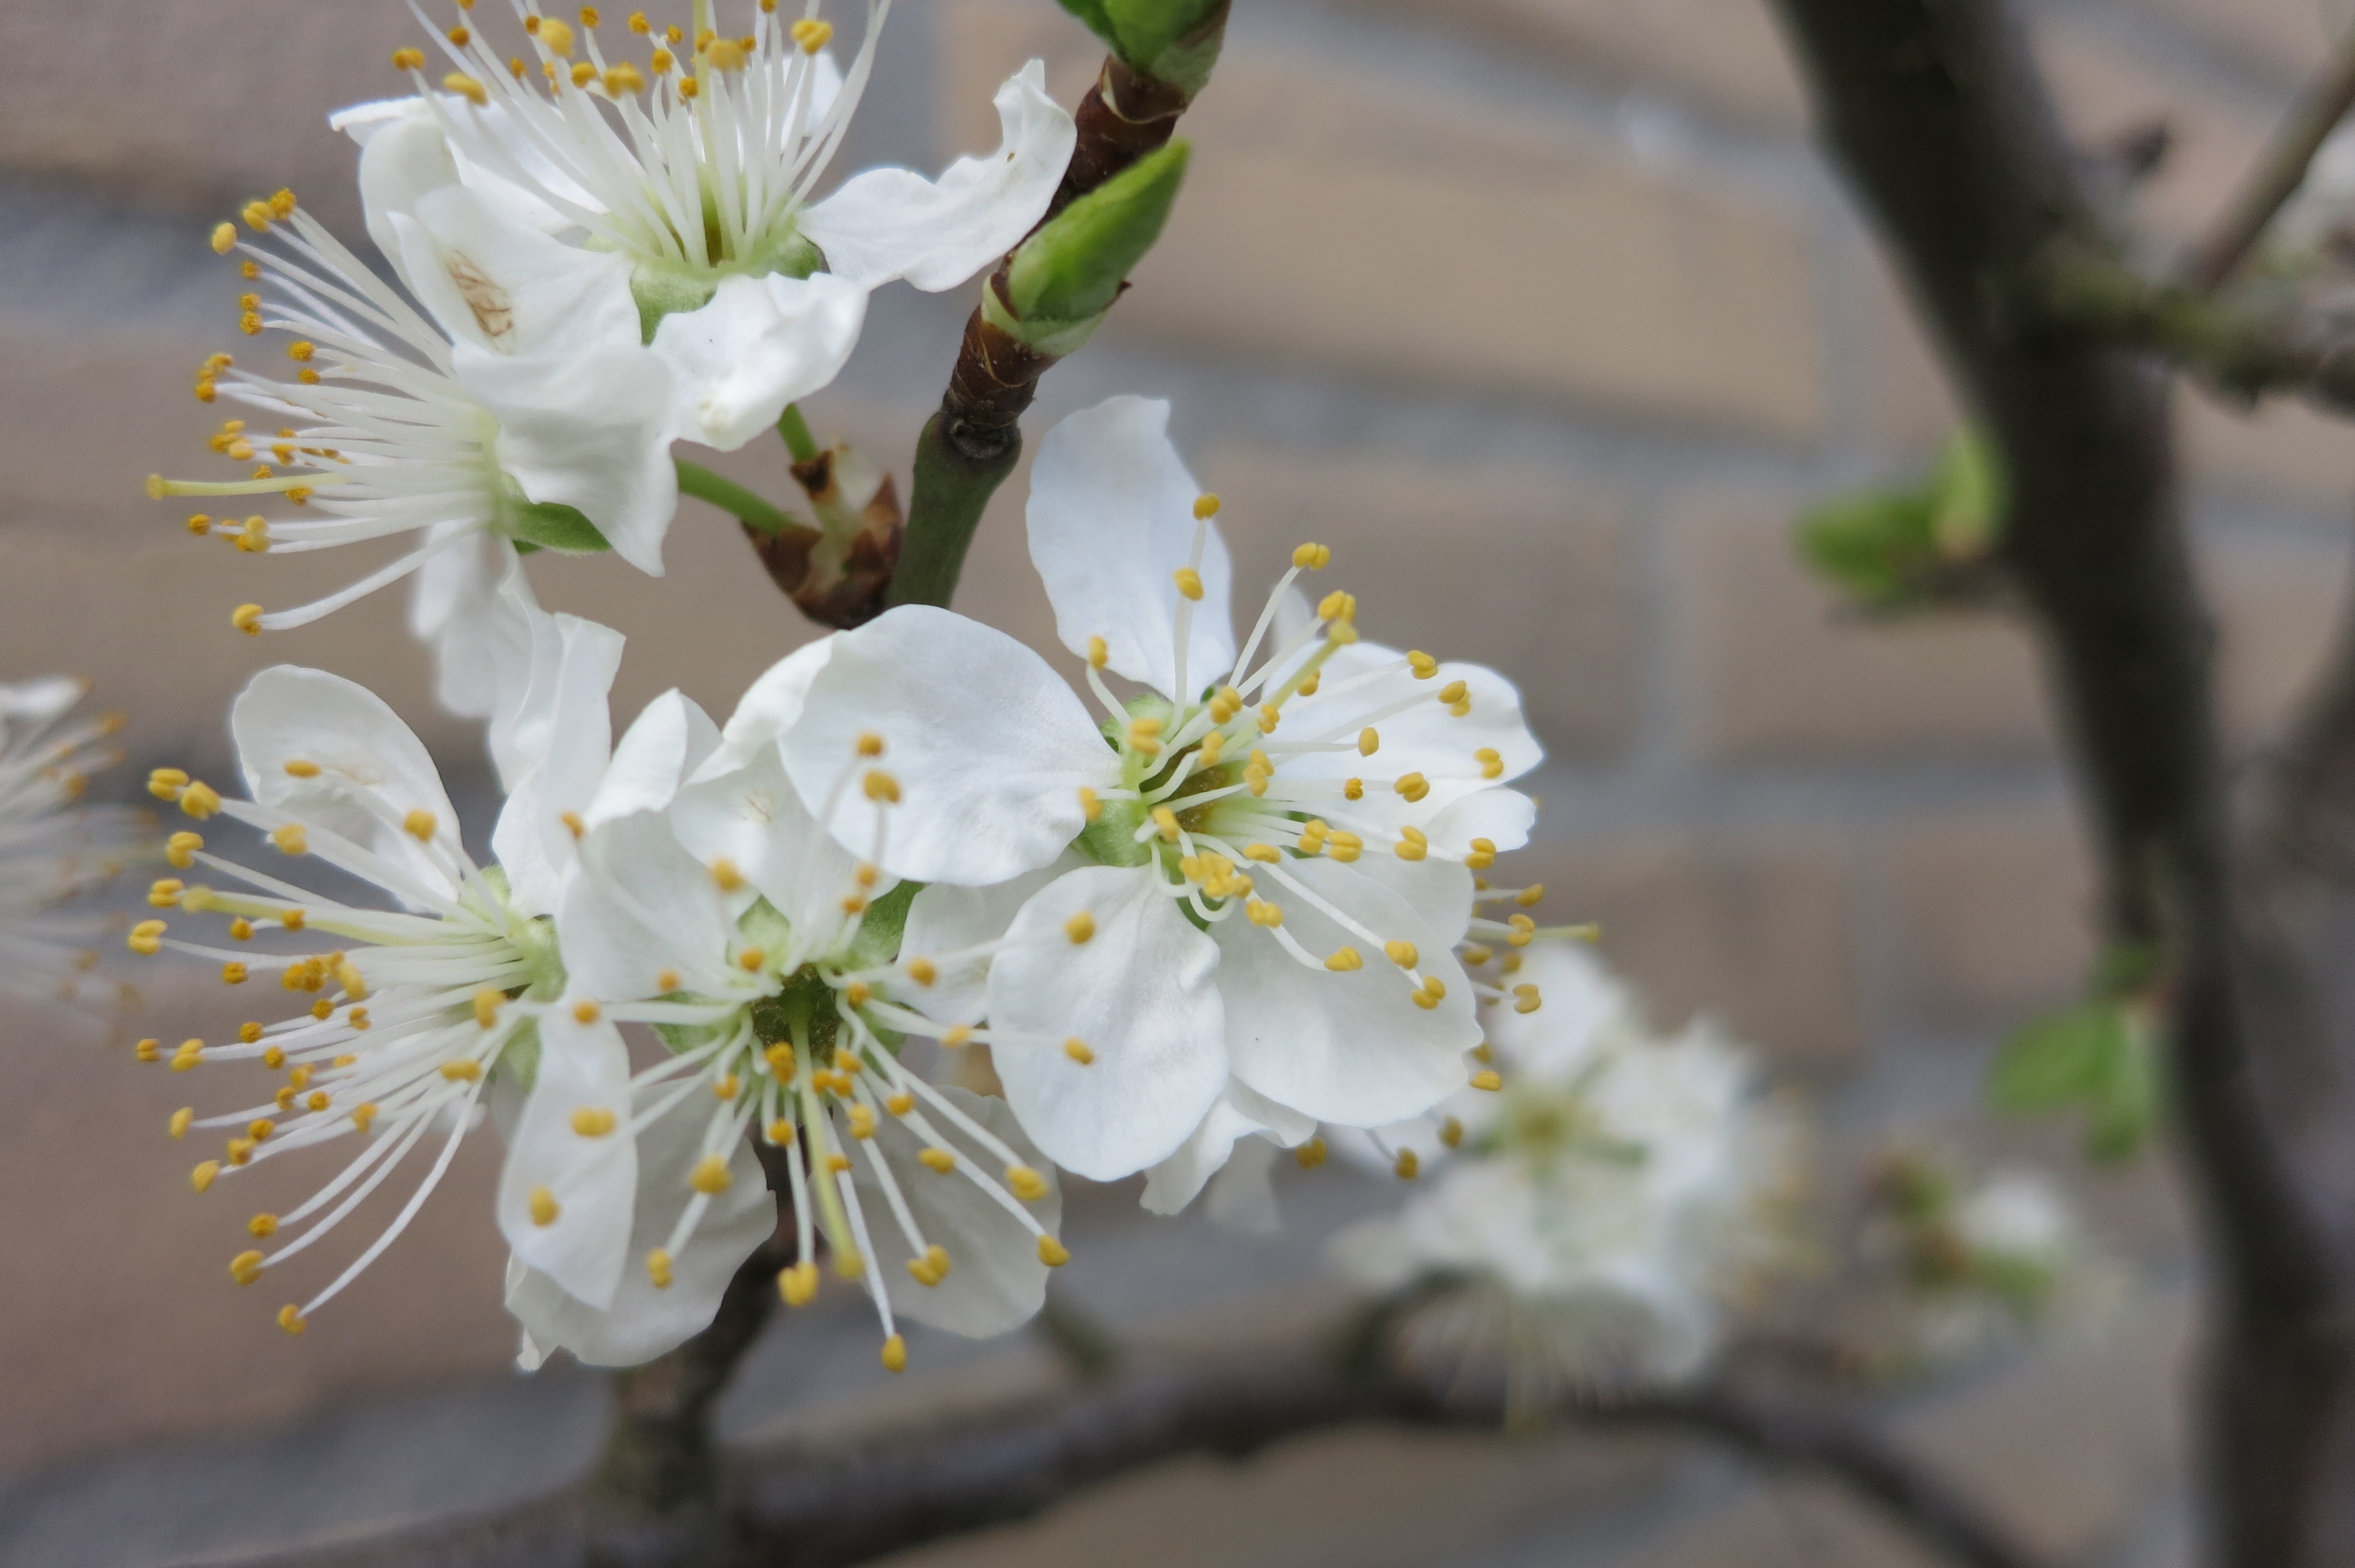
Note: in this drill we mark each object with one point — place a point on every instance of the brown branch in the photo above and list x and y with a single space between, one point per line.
822 1502
2280 169
1935 109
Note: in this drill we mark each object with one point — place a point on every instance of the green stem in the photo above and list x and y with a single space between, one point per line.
735 500
796 431
951 494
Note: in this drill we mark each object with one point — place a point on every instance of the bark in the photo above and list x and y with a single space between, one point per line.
1936 112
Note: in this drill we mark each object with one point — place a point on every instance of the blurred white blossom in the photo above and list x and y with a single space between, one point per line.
54 849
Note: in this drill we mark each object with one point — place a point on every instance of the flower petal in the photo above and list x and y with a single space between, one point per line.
752 820
562 735
473 607
1349 1046
359 748
771 706
1580 1002
756 345
501 285
640 905
643 1322
892 223
988 746
946 919
403 158
589 1184
1238 1114
995 1281
1138 992
1111 521
664 745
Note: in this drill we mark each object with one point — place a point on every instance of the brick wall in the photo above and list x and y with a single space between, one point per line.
1543 312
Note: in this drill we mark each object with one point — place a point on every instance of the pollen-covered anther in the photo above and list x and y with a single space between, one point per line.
880 787
1344 846
1430 993
233 973
1099 653
1337 605
1165 822
658 1268
202 1176
1407 1165
923 971
1090 808
419 826
1312 557
593 1121
623 80
247 618
1414 786
1079 1051
798 1283
408 59
1526 999
1144 735
1411 844
1489 1079
956 1036
245 1267
1079 927
1482 855
1401 953
1261 913
1523 930
710 1177
291 838
544 1207
1188 581
1025 1182
148 1050
164 893
1310 1155
466 87
812 34
146 938
1053 1253
463 1070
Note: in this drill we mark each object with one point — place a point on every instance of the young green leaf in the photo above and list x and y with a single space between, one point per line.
1072 268
2057 1061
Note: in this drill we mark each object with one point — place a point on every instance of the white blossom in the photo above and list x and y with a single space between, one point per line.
1601 1208
53 849
1231 905
694 171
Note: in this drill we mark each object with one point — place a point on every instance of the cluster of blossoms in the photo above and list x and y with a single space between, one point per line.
1240 901
1594 1220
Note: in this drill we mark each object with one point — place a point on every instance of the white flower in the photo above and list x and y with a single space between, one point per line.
1987 1259
524 410
409 1012
1273 845
694 171
707 903
52 850
1604 1205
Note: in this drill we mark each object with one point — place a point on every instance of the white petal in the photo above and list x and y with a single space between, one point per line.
562 734
588 430
42 698
1243 1194
640 905
1348 1047
1580 1000
664 745
1439 891
891 223
752 819
1138 993
501 285
771 706
995 1281
290 714
403 158
643 1322
593 1181
1110 520
946 919
1240 1113
756 345
473 607
989 746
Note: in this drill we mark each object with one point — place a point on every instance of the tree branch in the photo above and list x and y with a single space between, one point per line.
1935 109
2280 169
829 1501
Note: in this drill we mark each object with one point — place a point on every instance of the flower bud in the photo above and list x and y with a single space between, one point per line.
1071 270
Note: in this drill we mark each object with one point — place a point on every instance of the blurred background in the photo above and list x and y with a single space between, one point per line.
1545 315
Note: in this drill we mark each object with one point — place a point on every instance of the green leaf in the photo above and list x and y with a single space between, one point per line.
1966 497
1072 268
2055 1062
2125 1094
1091 12
1869 544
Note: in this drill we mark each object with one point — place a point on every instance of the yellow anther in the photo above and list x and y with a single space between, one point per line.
165 891
1402 954
1491 761
1188 581
1414 786
461 36
1407 1165
197 899
798 1283
181 1117
147 937
923 972
1206 506
274 1058
202 1176
1079 927
281 204
1526 999
1411 844
181 848
466 87
1079 1051
1523 930
247 618
1090 806
589 16
938 1161
554 36
812 34
725 54
1529 897
1166 822
586 1012
1370 740
292 1320
1344 960
710 1177
639 25
1455 691
724 1086
849 1264
291 838
1337 605
1206 756
245 1267
200 800
658 1268
882 787
1451 1133
1098 655
149 1050
920 1269
408 59
1025 1182
779 1131
234 973
593 1121
300 1078
1312 557
464 1070
1259 912
1344 846
955 1037
623 80
1310 1155
1423 665
1483 855
1053 1253
1266 854
895 1353
419 826
862 1122
363 1114
348 976
544 1207
1489 1078
224 239
263 1225
487 1002
665 981
1435 988
752 958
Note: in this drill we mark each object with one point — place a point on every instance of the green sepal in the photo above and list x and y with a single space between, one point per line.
1175 41
1061 339
879 930
545 525
518 1060
664 288
1071 270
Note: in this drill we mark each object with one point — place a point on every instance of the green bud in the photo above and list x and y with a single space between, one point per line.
1071 271
1175 41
